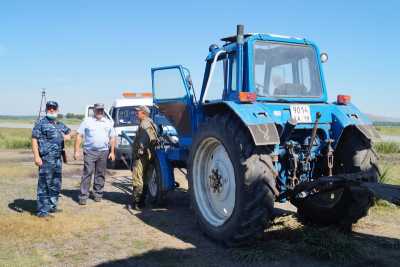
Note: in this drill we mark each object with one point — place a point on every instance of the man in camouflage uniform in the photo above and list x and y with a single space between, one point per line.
48 137
143 155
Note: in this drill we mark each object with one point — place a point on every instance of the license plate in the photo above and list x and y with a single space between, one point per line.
300 113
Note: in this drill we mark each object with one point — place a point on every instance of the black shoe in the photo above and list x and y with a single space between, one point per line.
97 199
55 210
82 201
133 206
136 206
141 205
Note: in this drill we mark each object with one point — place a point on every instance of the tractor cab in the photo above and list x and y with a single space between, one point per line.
271 68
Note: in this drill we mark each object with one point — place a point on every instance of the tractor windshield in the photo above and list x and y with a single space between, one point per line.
286 70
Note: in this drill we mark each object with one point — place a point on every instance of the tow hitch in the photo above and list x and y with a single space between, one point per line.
323 184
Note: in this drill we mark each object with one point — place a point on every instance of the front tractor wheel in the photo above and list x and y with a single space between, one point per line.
230 182
156 195
344 206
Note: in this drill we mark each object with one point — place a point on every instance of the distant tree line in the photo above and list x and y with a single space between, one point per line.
71 116
386 123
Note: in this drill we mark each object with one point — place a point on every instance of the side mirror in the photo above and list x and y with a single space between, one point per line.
323 57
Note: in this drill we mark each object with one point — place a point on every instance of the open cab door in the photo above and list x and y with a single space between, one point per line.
174 95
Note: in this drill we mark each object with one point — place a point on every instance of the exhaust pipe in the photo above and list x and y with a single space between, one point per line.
239 43
240 34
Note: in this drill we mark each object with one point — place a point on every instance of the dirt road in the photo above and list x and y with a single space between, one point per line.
109 234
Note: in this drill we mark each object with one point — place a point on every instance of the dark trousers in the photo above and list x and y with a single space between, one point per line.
49 185
95 162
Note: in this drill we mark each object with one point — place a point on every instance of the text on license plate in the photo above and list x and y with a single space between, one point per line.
300 113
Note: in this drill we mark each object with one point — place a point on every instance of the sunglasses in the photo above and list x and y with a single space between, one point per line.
51 108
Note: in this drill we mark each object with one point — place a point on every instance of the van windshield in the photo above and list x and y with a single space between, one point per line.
125 116
286 70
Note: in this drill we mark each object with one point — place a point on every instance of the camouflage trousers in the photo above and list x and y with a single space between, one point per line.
140 174
49 185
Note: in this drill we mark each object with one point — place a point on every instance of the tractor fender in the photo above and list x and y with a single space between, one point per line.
259 123
347 116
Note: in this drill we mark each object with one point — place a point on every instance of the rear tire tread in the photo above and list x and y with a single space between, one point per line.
255 165
354 154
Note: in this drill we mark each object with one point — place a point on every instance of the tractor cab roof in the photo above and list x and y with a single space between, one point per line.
230 41
265 36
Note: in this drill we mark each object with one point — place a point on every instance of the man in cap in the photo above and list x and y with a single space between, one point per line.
99 135
143 154
48 137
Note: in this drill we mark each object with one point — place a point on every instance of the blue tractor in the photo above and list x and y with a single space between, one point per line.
262 131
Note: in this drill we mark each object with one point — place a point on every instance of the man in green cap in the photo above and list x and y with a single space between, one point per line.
143 154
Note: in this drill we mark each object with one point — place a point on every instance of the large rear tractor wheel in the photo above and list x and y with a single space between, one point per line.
344 206
230 182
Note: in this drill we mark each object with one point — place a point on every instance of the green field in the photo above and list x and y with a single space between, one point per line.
389 130
19 139
15 138
387 147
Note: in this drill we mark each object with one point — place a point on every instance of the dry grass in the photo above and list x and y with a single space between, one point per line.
26 238
15 170
287 238
29 228
106 231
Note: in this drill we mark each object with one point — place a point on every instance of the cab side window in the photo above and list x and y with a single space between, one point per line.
168 84
218 81
232 71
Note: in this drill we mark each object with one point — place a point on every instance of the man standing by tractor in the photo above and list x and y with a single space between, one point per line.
143 155
48 136
99 144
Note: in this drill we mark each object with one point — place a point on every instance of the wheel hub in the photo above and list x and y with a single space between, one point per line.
215 181
152 185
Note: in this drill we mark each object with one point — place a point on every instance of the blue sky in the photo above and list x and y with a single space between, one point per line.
90 51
